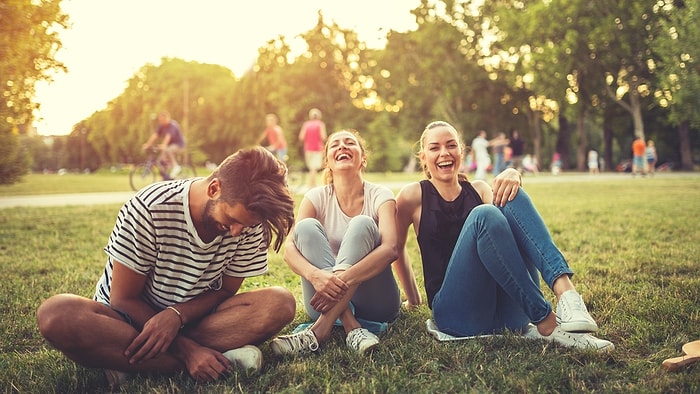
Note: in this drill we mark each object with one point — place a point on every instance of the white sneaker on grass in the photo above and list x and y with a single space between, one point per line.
299 343
247 358
572 314
571 339
361 340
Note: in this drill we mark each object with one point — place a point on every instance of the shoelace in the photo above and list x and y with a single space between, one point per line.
357 338
572 303
308 340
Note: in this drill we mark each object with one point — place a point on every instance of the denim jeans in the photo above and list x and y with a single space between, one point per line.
492 279
377 299
499 163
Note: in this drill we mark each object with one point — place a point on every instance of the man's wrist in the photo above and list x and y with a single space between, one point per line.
179 315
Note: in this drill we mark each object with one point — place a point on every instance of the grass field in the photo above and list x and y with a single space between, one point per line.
634 244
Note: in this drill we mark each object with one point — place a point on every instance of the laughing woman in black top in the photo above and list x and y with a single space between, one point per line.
483 251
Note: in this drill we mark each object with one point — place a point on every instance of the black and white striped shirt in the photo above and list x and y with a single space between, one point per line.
154 235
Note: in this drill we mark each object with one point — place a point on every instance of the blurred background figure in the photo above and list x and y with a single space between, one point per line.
313 135
638 151
593 162
651 157
273 133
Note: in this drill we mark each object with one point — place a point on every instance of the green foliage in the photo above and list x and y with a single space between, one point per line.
678 69
28 43
566 74
634 255
14 160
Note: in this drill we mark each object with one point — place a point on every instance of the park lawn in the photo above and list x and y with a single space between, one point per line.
118 181
634 245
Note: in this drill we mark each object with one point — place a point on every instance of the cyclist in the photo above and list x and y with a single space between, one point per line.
173 141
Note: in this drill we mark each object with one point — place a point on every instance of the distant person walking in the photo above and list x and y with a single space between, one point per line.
638 152
480 151
593 162
651 156
518 150
313 135
498 146
273 133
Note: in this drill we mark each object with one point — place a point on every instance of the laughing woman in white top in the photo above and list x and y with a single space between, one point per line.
343 244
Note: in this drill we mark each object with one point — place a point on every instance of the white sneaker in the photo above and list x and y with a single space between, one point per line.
572 314
248 358
361 340
299 343
175 171
571 339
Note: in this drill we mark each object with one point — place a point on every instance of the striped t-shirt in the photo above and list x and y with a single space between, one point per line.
154 235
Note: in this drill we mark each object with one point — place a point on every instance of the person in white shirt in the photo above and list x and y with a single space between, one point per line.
343 245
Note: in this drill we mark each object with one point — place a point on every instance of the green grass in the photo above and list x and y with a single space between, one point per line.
634 245
118 181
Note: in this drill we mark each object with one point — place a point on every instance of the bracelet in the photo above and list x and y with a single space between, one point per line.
179 315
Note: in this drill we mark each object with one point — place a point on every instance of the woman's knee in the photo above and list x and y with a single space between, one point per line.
364 227
306 227
362 222
486 212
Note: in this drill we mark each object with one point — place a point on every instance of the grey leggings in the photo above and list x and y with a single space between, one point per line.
376 299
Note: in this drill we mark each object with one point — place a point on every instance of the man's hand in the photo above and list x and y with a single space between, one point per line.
206 365
506 186
155 338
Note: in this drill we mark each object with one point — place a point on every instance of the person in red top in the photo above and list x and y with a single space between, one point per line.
638 150
274 135
313 135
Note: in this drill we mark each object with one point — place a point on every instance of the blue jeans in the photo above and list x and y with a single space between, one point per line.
499 163
492 279
376 299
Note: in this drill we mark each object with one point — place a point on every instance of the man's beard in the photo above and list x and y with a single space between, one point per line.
208 221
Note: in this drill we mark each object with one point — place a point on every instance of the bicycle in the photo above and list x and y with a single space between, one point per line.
144 174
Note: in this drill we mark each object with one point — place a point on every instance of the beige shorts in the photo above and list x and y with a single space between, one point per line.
314 160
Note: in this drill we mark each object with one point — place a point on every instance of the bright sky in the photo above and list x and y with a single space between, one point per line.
110 40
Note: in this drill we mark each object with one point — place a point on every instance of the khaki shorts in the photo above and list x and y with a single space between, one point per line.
314 160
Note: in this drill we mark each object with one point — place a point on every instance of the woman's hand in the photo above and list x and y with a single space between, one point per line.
506 186
329 290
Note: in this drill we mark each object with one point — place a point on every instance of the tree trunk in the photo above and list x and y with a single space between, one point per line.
537 136
608 142
563 141
582 142
684 142
636 111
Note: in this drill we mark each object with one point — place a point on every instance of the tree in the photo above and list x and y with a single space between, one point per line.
28 44
678 71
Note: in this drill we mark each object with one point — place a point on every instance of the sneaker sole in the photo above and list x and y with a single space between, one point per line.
369 349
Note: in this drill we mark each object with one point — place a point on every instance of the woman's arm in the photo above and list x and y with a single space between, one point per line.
407 213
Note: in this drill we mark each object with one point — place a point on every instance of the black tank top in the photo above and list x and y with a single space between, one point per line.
440 224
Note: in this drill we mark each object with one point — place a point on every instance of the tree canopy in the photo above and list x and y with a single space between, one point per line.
29 39
570 75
